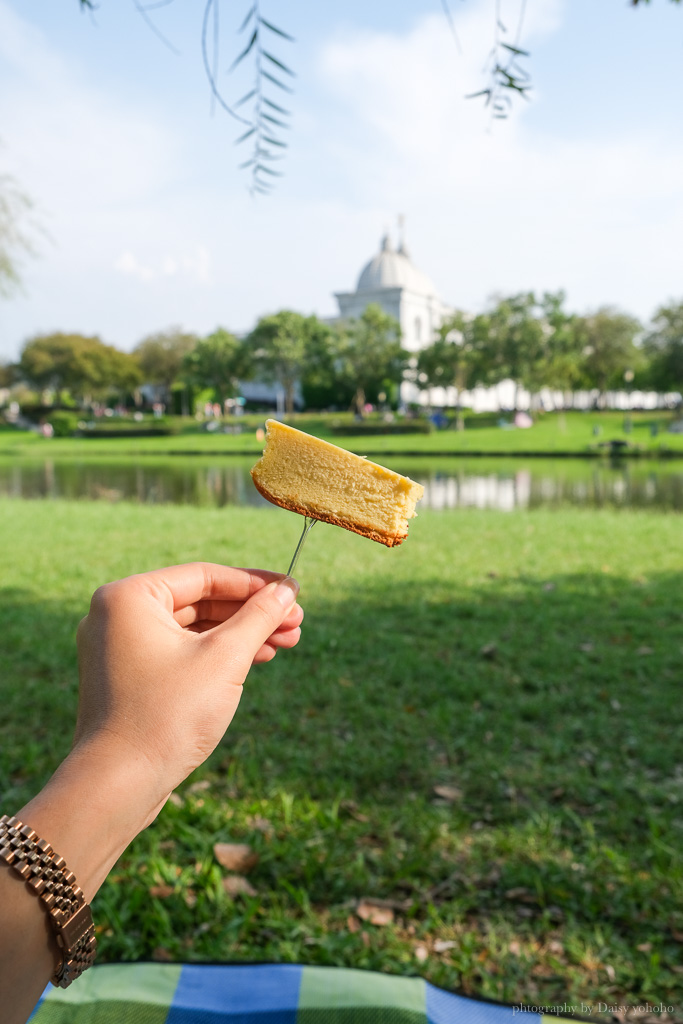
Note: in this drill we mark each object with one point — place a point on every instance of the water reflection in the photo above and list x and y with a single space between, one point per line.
175 482
449 483
555 484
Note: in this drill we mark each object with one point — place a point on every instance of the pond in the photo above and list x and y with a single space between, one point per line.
449 483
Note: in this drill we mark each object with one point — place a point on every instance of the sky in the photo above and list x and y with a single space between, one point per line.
144 221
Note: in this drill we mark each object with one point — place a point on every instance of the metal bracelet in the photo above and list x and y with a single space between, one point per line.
46 873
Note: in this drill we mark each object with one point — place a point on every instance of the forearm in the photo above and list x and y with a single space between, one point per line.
163 657
99 799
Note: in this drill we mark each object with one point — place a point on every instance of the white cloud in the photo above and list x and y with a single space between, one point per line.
127 263
508 207
52 118
410 89
196 267
153 226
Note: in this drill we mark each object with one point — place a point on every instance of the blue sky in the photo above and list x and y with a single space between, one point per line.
150 224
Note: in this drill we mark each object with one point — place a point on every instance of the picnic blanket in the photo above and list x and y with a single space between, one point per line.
156 993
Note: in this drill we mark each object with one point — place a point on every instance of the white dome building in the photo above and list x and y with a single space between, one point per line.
392 281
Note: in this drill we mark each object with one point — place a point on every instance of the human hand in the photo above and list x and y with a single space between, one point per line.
163 656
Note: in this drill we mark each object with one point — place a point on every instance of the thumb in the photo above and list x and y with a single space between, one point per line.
261 615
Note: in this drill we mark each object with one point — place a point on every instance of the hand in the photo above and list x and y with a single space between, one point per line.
163 657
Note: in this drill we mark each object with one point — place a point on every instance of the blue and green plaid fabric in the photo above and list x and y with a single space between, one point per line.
260 994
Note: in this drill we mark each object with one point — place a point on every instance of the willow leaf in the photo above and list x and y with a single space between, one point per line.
278 63
275 106
274 120
248 96
276 81
248 48
269 170
274 28
516 49
248 18
246 135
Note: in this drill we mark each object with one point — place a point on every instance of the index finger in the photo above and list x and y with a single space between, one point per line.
178 586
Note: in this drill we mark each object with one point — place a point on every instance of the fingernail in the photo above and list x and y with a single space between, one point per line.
286 591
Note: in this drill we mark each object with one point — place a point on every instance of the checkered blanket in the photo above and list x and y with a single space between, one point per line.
151 993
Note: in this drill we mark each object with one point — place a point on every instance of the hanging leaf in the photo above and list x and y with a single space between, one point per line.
246 135
278 63
246 97
268 170
274 28
248 48
274 120
275 106
247 19
208 65
275 81
516 49
482 92
266 115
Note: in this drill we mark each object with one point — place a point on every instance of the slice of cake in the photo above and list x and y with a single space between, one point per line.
320 480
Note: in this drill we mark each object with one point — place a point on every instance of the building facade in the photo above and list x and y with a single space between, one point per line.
391 281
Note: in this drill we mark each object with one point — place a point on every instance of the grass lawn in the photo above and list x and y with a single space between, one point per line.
482 728
570 432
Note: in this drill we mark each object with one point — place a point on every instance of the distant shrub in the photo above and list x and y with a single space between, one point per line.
100 432
64 424
378 429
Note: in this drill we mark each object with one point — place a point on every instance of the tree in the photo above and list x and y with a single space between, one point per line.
663 346
609 349
511 342
563 342
320 382
160 357
451 361
116 370
528 340
218 361
278 347
7 375
370 358
84 366
15 240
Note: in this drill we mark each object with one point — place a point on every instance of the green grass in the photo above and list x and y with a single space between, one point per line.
570 432
531 662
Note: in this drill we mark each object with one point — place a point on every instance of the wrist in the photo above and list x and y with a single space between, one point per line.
99 799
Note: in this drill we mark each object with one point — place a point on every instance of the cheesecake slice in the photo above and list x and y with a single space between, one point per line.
317 479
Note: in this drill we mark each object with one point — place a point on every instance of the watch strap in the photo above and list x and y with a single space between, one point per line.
46 873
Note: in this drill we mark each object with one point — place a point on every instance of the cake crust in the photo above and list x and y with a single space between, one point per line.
388 539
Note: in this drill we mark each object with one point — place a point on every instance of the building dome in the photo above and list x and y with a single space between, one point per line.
392 268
